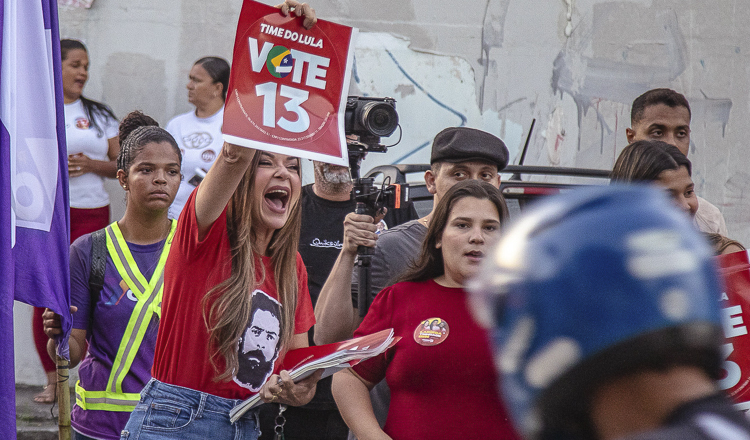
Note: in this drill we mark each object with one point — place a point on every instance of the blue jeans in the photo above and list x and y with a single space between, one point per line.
173 412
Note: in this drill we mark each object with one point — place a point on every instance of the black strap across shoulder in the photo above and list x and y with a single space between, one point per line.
98 263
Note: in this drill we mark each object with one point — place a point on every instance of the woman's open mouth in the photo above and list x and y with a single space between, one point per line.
277 199
475 256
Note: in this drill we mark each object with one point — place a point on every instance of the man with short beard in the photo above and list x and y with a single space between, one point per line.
325 204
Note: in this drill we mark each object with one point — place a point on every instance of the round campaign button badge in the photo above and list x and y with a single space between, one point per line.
431 332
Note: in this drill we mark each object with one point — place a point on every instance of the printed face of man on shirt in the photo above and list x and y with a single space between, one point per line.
259 344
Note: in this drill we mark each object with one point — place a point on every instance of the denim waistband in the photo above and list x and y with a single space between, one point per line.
202 401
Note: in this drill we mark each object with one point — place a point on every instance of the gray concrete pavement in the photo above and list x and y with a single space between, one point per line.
34 421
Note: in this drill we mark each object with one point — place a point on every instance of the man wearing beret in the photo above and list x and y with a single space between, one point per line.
458 153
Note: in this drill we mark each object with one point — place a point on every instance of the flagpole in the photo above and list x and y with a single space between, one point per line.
63 398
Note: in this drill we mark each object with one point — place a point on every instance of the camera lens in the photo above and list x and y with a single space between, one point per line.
379 118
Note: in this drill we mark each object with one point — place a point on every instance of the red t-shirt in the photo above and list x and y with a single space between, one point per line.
192 269
444 387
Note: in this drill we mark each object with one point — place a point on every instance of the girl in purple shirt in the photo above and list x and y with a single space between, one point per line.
120 322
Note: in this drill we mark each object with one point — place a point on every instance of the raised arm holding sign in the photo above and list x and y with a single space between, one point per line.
216 344
288 84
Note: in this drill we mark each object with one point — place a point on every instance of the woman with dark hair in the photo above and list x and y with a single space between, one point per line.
441 373
91 136
661 163
120 317
723 245
198 132
664 165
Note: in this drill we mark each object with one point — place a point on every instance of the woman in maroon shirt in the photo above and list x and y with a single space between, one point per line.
441 373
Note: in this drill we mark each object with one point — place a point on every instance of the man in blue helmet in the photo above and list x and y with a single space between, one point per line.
604 307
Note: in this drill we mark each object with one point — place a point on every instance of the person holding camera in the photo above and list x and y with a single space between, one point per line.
441 373
325 204
458 153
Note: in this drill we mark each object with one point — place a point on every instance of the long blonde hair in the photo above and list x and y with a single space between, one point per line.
230 304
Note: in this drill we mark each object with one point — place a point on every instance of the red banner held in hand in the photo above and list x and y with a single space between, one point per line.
735 305
288 86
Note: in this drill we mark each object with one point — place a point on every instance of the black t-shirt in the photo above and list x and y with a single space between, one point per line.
322 234
709 418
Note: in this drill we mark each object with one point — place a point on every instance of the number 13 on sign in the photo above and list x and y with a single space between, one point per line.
296 97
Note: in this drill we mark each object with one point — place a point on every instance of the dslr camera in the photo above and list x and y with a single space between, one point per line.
370 119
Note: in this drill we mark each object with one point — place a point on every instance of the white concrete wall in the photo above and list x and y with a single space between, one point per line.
574 65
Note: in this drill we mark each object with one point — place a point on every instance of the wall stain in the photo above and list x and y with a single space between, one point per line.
736 209
569 18
405 90
492 36
441 104
713 110
587 78
510 104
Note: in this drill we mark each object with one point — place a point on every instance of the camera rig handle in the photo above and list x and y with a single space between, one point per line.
362 193
370 119
364 277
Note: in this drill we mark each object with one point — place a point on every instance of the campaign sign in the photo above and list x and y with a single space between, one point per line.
287 90
735 307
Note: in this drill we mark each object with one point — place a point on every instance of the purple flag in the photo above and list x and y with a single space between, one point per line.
34 219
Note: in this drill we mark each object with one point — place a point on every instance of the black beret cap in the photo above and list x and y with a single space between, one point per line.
462 144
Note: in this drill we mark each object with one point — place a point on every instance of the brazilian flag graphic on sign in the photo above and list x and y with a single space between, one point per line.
279 61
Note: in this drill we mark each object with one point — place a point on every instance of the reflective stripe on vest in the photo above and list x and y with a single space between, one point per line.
148 295
105 400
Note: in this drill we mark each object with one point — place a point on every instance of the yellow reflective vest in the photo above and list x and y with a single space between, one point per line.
148 294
